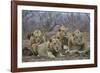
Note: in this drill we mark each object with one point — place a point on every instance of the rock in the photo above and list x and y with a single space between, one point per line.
26 52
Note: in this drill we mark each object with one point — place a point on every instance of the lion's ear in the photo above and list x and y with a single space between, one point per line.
50 40
59 30
58 37
73 34
28 36
32 34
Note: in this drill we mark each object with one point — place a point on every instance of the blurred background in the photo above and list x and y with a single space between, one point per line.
50 21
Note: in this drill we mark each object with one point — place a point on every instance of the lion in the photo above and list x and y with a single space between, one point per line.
62 35
32 39
49 49
77 41
37 37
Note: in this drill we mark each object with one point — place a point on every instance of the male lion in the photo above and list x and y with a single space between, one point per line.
77 41
49 49
62 35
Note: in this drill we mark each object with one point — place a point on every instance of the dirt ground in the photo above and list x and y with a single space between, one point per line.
68 56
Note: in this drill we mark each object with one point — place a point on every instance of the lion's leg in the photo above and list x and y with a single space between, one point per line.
60 54
70 44
50 55
35 49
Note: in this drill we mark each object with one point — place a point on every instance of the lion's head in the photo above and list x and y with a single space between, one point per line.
54 44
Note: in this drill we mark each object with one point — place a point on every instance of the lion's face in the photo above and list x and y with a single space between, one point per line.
63 30
37 33
77 37
77 32
55 44
38 36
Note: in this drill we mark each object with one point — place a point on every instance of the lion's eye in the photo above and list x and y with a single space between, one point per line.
54 43
76 37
